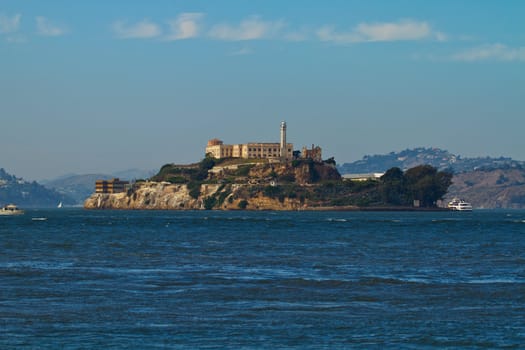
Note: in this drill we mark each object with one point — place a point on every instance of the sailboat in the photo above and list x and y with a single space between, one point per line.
59 205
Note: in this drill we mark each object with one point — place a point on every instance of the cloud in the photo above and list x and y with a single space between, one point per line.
9 24
184 27
252 28
142 30
45 28
491 52
16 39
441 36
242 52
402 30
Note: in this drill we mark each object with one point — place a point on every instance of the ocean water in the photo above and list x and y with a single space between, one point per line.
76 279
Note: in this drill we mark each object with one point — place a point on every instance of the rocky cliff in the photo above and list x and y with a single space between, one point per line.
166 196
227 186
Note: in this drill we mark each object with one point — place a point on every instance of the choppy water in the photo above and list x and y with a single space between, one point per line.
158 279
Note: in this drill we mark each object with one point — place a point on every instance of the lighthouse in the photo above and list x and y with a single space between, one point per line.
283 141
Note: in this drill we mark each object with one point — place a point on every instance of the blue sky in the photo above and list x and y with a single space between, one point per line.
102 86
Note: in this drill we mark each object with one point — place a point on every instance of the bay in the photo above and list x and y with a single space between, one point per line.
75 279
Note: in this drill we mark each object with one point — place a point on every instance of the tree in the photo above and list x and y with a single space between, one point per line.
392 188
426 184
423 183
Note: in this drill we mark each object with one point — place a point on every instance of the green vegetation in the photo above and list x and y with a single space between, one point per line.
307 182
181 174
395 188
244 170
195 189
272 191
423 183
209 202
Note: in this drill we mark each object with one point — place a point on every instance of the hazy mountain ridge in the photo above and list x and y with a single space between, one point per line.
28 194
438 158
80 187
69 189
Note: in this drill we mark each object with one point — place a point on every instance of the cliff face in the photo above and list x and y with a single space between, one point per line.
148 195
166 196
252 186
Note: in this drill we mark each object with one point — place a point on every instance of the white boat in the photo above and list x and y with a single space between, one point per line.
11 209
459 205
59 205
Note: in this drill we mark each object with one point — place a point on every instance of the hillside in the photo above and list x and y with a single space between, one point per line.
262 185
28 194
227 184
438 158
496 188
77 187
80 187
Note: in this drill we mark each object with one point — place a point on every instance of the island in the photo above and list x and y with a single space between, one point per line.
272 176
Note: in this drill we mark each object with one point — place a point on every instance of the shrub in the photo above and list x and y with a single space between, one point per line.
195 189
330 161
243 170
207 163
302 198
177 180
287 177
271 191
209 202
243 204
222 196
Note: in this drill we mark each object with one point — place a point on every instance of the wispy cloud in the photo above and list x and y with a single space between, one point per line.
16 39
142 30
252 28
45 28
491 52
403 30
242 52
9 24
185 26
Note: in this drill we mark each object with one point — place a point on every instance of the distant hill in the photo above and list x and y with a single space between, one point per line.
489 189
484 181
80 187
29 194
134 174
438 158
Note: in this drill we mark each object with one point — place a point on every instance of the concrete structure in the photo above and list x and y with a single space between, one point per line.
267 150
362 177
282 144
313 153
111 186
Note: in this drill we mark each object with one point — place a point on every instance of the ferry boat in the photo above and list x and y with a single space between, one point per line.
11 209
459 205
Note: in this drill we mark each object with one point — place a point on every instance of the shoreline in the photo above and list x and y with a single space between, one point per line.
331 208
391 208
